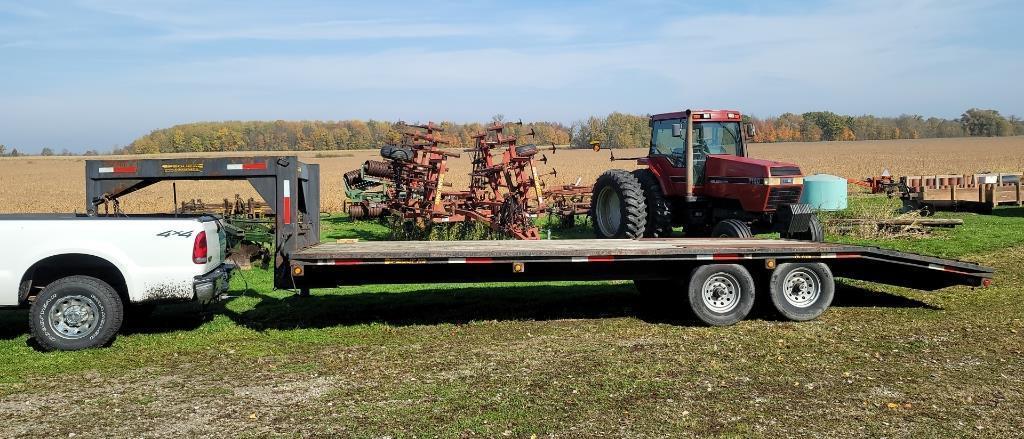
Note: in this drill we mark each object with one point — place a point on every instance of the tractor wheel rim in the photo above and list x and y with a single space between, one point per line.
74 317
721 293
802 287
609 211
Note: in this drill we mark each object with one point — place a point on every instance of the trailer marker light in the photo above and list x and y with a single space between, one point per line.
769 263
518 267
297 270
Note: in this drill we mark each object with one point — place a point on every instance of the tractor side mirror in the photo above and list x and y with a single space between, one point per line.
751 130
677 130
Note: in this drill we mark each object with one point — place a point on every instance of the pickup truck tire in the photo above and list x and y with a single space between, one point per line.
76 312
721 294
801 291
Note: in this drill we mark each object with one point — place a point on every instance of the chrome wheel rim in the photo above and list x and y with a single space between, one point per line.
801 287
721 292
74 317
609 211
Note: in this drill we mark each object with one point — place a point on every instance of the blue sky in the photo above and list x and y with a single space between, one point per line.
98 73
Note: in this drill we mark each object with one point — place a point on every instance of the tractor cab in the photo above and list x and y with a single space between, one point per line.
703 132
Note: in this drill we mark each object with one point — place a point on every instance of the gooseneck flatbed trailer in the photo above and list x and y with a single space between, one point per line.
720 276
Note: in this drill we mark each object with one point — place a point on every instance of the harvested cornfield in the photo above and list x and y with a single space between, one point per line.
56 184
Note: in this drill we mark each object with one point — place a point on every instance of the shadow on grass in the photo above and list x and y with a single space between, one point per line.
1012 212
456 305
853 296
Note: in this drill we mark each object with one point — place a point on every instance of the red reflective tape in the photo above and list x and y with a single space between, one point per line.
479 260
847 255
347 262
254 166
600 258
287 206
725 256
125 169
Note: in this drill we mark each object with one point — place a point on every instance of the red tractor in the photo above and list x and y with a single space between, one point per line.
698 176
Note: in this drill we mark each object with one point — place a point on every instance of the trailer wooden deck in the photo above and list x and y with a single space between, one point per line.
340 263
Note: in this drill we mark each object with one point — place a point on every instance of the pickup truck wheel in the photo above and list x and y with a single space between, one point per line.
721 294
801 291
76 312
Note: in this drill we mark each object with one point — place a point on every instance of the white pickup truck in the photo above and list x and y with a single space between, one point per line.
79 274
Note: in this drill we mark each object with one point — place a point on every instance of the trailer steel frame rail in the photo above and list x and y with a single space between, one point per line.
333 264
289 187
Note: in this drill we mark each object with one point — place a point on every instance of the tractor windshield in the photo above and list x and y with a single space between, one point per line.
717 138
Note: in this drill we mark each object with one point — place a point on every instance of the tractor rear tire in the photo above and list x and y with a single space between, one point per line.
659 211
617 207
721 294
815 232
731 228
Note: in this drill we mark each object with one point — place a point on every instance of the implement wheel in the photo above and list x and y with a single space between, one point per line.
617 206
801 291
721 294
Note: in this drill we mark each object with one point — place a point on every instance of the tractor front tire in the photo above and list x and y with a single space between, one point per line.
617 207
815 232
731 228
659 211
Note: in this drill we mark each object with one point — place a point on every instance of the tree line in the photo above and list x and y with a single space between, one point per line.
825 125
616 130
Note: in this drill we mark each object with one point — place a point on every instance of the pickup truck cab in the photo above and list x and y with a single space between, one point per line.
78 274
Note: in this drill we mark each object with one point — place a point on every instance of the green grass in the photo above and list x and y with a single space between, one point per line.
558 359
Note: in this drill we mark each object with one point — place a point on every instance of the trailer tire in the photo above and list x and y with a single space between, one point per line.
731 228
617 207
801 291
721 294
659 211
76 312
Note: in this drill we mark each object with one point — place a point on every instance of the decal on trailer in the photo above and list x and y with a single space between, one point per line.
174 168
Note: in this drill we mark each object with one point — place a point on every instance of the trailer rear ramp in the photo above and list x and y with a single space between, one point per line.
343 263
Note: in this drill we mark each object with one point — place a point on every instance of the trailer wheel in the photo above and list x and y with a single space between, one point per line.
617 206
731 228
721 294
659 211
801 291
76 312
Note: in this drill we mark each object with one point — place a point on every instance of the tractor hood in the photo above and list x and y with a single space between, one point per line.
722 165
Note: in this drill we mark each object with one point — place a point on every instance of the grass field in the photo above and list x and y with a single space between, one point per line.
552 360
22 178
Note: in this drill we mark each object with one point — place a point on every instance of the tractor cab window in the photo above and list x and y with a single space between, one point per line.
664 144
717 138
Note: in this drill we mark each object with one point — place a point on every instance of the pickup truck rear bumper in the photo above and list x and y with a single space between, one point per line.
214 284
